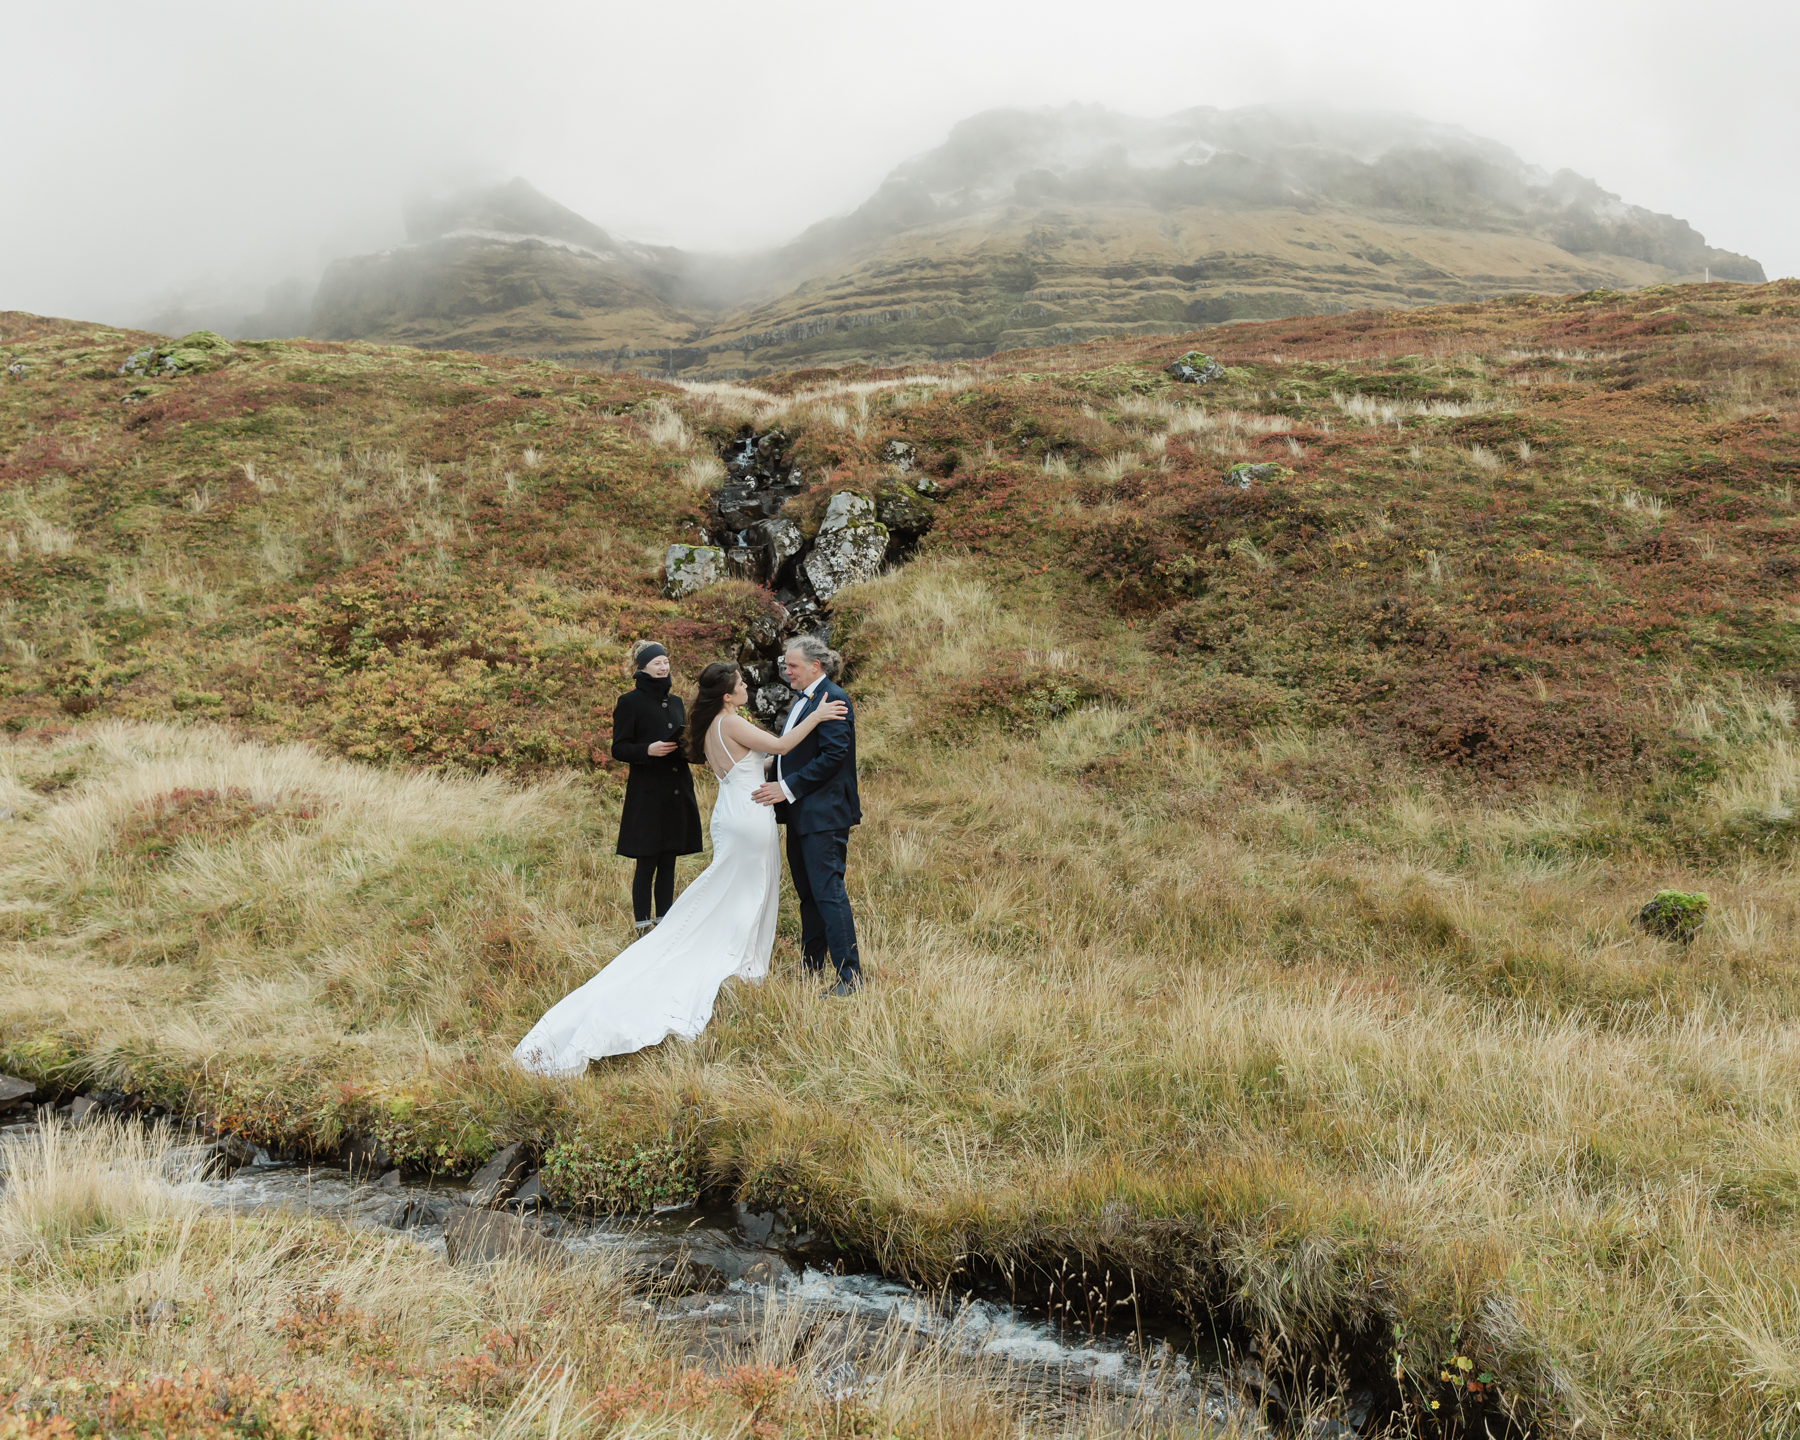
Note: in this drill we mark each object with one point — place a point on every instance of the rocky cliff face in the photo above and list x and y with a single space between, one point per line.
1025 228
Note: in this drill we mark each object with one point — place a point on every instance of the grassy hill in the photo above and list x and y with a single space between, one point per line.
1249 875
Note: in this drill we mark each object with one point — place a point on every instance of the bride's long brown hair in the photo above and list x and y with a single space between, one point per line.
717 681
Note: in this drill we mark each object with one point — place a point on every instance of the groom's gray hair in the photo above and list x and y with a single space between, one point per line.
812 648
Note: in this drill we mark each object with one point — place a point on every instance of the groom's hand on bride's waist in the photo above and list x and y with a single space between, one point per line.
769 794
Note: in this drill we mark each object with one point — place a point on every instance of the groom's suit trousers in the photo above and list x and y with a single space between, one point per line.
816 861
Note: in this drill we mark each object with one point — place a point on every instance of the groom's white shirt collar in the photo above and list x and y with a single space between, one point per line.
793 715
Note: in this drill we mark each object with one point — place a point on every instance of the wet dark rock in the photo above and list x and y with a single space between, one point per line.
760 459
366 1156
782 540
772 701
416 1211
474 1237
212 1160
1194 368
13 1090
530 1196
497 1179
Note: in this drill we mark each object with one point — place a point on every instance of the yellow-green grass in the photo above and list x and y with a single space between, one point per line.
136 1309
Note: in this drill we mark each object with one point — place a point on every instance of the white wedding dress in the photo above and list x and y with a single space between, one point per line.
722 925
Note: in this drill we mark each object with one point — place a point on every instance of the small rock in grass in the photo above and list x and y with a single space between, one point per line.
81 1107
1673 915
13 1090
161 1312
1243 475
1194 368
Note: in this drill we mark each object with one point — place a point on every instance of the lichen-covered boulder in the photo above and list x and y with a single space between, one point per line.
687 568
772 701
899 454
1673 915
1194 368
848 555
1243 475
847 509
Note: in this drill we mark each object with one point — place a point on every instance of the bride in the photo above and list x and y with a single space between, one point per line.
723 924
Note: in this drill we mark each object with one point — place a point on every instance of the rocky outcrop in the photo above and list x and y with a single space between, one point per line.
755 532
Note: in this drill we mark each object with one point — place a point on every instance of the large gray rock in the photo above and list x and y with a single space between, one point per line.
13 1090
687 568
845 557
497 1179
474 1237
846 511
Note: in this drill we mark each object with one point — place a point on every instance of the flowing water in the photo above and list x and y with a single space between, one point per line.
720 1274
714 1270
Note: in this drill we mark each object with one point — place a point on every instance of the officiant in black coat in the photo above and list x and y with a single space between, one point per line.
661 819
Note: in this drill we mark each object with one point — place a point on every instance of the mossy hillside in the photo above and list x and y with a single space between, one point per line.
1187 957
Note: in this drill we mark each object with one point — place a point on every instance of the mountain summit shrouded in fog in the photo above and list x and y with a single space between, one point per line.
1028 227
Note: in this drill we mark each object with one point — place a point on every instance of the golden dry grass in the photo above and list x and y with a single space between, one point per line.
1188 1018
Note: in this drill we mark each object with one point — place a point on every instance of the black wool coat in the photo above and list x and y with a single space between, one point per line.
660 811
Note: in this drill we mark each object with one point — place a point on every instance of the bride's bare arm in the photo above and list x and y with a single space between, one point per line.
753 737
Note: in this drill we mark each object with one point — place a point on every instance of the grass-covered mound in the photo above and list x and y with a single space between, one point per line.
1250 875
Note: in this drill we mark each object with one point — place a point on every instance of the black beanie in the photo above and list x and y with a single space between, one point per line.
649 653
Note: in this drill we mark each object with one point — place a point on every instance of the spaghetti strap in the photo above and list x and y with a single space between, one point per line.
725 745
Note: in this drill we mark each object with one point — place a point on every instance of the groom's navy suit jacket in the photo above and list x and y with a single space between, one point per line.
820 772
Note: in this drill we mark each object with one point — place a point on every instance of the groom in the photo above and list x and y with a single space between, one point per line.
814 795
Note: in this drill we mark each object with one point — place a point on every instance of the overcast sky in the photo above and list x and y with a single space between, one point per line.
203 147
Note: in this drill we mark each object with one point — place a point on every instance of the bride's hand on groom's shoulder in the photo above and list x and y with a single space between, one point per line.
833 710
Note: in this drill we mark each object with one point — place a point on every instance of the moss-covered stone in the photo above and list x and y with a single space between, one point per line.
1674 915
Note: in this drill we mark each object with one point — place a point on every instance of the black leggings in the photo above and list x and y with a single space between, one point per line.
657 870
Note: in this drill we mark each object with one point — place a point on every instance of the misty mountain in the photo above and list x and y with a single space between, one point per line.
1027 227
